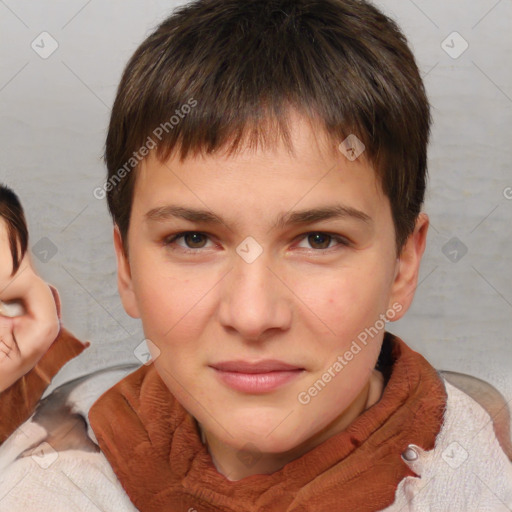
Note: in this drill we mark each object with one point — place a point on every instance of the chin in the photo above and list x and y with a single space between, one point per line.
264 445
262 438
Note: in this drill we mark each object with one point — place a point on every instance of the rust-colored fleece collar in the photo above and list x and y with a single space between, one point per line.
154 447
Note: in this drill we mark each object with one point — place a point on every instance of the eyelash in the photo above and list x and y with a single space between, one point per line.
171 240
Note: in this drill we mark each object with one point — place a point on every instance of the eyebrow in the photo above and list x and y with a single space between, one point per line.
337 211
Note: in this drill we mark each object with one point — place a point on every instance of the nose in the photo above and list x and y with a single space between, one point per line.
254 300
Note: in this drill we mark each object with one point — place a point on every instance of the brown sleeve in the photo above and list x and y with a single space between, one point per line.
18 402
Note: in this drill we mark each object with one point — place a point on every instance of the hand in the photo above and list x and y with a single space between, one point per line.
29 322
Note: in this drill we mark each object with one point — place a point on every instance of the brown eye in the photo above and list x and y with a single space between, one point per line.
195 240
319 240
188 242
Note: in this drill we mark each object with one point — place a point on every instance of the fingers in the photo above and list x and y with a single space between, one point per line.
8 347
26 338
35 337
29 322
10 358
39 327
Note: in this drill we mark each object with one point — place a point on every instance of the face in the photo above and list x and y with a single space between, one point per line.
10 304
255 274
6 266
5 254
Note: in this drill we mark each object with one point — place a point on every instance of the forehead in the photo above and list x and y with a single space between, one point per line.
262 181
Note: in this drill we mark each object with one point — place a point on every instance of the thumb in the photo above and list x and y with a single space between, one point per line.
6 324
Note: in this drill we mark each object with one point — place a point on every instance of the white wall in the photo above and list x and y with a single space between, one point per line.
54 114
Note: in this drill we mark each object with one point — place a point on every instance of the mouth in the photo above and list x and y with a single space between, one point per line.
257 377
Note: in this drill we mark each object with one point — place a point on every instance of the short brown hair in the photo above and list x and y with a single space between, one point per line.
12 212
244 62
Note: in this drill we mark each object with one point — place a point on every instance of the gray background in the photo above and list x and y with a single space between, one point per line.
54 114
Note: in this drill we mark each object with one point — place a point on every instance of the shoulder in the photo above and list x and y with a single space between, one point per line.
490 399
468 469
53 458
62 481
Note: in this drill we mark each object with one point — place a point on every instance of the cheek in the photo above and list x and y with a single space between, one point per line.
173 303
343 305
162 300
6 264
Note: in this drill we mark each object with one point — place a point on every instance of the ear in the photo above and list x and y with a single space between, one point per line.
408 267
124 277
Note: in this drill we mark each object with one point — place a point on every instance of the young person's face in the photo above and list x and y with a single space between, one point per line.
211 303
5 255
6 265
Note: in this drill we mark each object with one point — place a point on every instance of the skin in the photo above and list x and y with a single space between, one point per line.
302 301
26 337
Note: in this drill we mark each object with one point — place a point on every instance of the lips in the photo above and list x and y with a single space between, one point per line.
269 365
254 378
